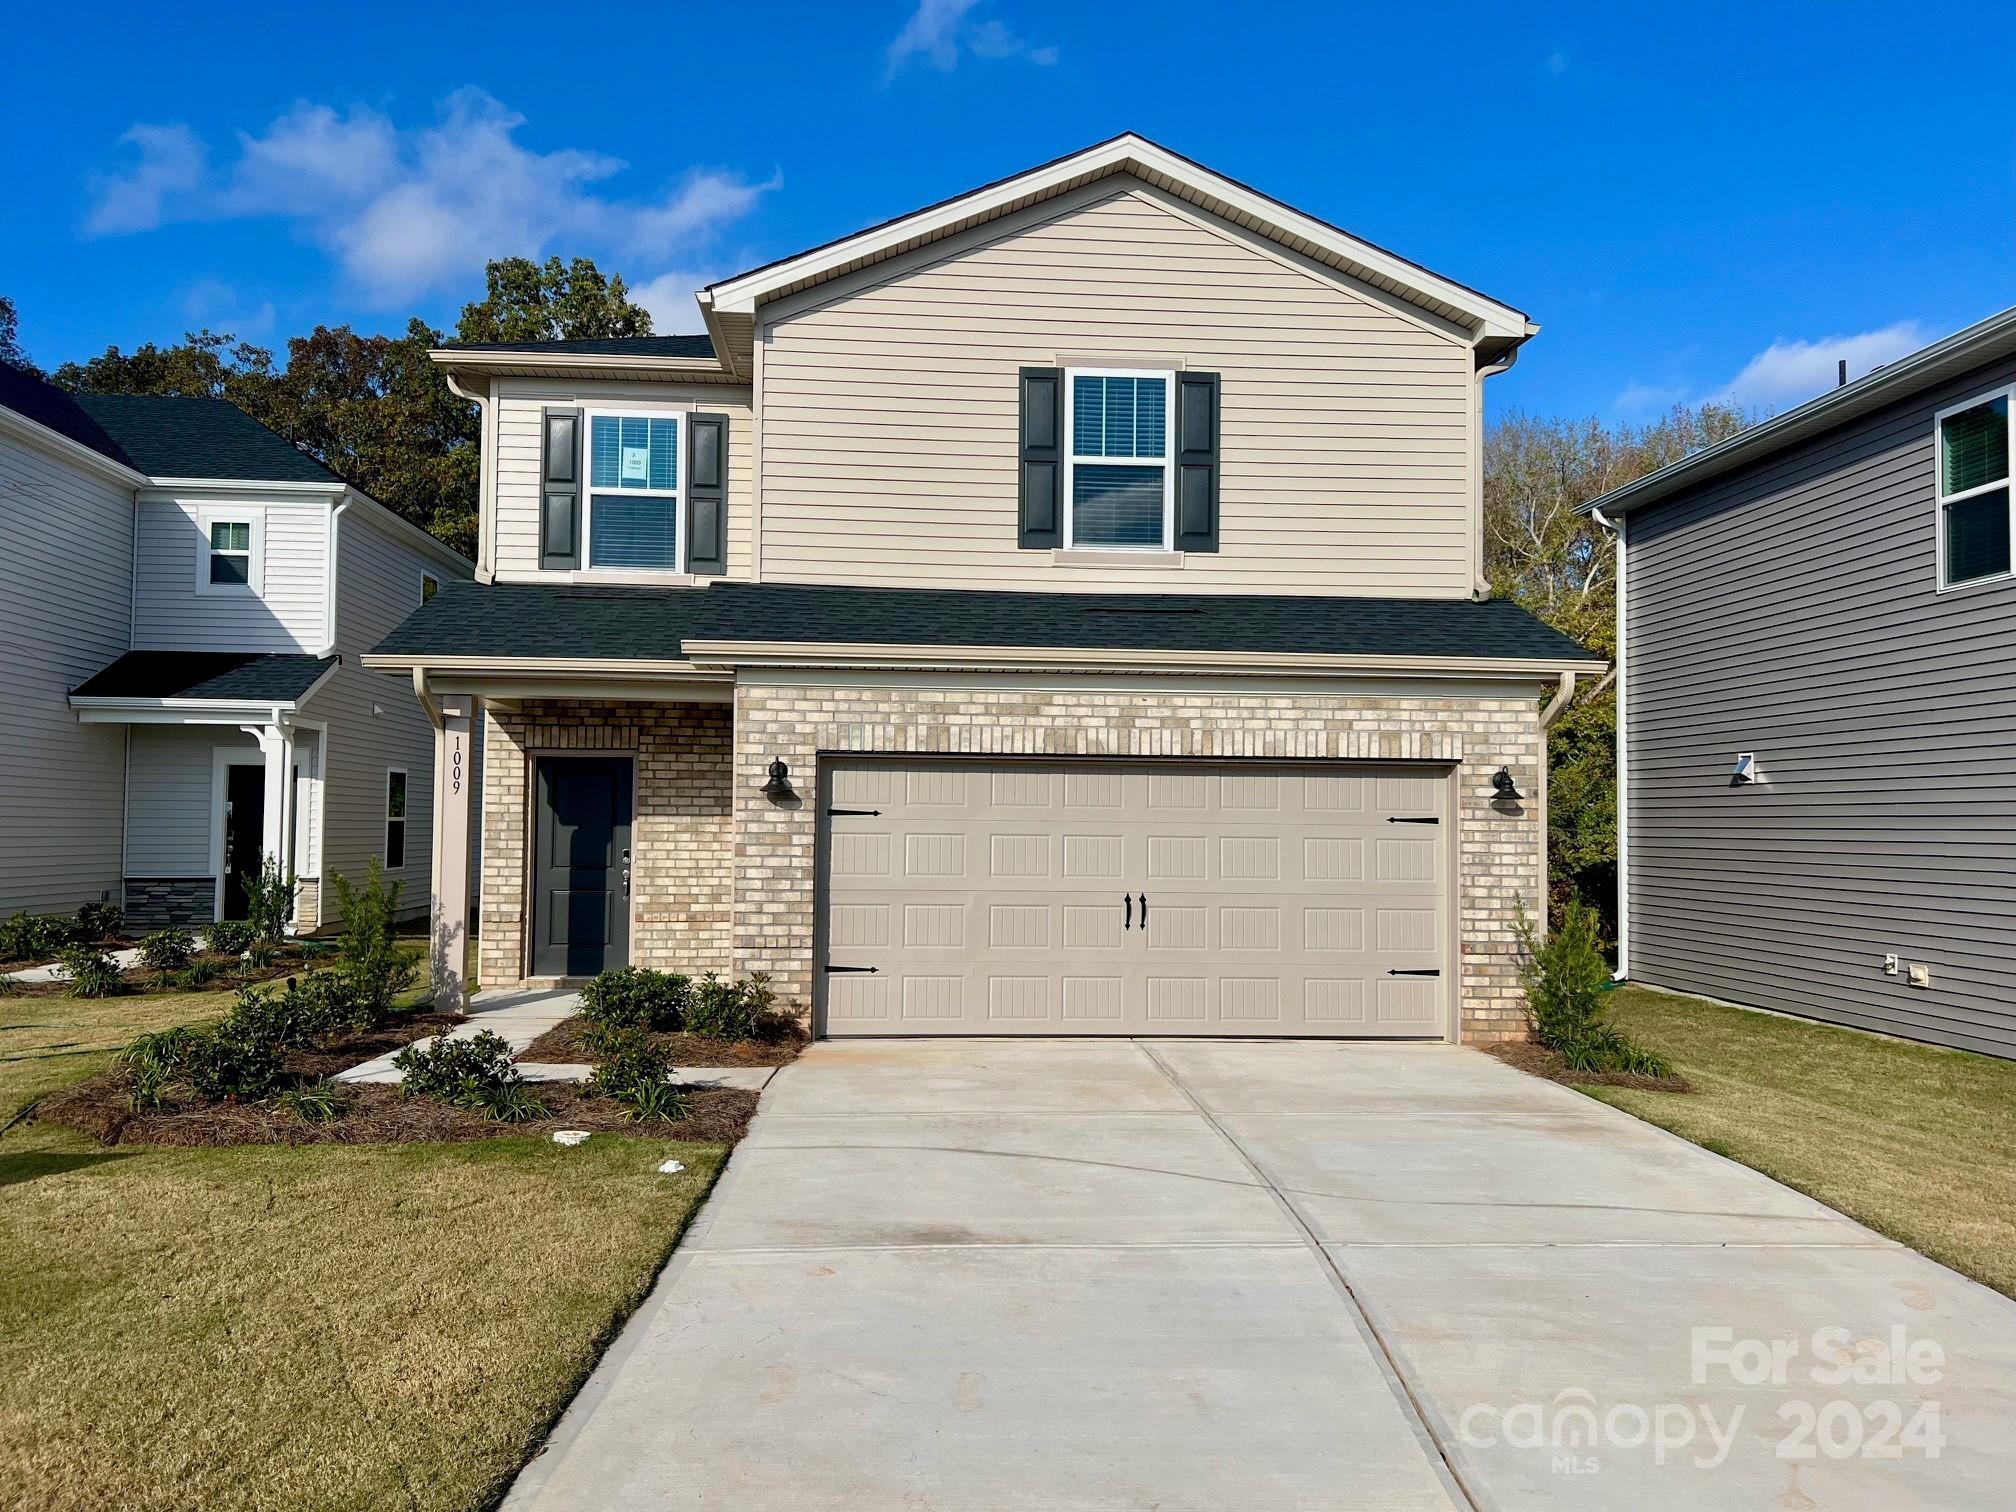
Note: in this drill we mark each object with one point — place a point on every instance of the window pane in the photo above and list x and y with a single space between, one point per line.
1088 417
395 795
1977 537
231 535
1977 446
1119 417
633 451
626 532
231 569
1116 506
395 844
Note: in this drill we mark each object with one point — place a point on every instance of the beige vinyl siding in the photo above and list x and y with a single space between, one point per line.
65 598
520 403
286 615
889 411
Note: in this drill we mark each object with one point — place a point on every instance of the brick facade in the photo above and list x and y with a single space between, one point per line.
682 864
722 892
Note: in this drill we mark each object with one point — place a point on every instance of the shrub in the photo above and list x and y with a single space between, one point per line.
27 938
376 969
659 1101
460 1071
324 1102
91 972
634 998
232 937
167 950
514 1102
99 921
1567 985
154 1060
199 974
307 1011
269 901
734 1010
633 1059
233 1061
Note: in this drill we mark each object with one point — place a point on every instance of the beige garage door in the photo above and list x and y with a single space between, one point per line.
1158 899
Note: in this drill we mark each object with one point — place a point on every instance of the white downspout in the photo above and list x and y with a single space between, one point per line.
330 578
486 513
1480 583
1623 971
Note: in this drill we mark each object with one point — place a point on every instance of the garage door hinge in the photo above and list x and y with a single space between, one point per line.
853 813
854 968
1412 819
1402 971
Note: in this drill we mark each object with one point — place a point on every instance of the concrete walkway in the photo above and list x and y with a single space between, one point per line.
992 1275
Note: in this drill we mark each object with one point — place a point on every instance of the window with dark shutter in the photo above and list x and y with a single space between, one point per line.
707 494
1196 503
1042 463
560 489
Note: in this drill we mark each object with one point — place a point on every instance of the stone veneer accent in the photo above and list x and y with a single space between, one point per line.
681 842
153 903
1501 855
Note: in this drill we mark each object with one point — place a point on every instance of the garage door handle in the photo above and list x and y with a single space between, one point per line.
1144 910
870 969
1128 899
1412 819
1401 971
853 813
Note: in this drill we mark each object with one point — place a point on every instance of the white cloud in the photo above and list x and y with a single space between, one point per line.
1636 397
218 306
669 298
1790 372
938 30
406 212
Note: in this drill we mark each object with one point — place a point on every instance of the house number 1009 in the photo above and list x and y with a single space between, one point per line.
455 766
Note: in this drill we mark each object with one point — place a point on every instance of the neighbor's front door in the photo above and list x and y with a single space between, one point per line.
581 865
244 831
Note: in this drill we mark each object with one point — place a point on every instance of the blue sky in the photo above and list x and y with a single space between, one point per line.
1711 201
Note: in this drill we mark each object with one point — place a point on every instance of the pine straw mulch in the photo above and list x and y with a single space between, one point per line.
379 1114
564 1044
138 981
1535 1059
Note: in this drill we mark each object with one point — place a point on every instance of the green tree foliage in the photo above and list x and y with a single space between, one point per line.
1539 551
373 409
11 354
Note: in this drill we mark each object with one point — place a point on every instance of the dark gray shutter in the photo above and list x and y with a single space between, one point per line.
1042 433
1196 462
707 494
560 496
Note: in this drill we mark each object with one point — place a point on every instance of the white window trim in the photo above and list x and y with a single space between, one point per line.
1940 498
232 515
676 495
1167 462
404 821
425 579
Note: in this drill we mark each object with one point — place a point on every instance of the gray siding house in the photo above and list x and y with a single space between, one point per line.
183 605
1817 739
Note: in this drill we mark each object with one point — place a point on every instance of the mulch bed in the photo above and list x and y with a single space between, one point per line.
563 1045
379 1115
1537 1060
139 981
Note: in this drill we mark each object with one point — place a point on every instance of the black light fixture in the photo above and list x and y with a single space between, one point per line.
1504 789
779 785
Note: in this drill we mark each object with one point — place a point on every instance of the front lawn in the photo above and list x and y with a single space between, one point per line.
1916 1142
298 1327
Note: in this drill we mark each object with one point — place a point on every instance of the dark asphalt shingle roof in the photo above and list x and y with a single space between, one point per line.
46 404
248 675
567 622
200 438
598 346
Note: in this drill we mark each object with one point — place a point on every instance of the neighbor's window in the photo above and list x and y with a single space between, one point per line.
429 586
1974 512
1116 473
633 491
227 557
395 819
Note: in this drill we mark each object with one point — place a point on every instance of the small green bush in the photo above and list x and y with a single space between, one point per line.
91 972
269 901
198 975
368 950
633 1059
634 998
655 1101
99 921
465 1072
1567 984
155 1060
307 1011
232 937
233 1061
25 937
167 950
323 1102
514 1102
733 1010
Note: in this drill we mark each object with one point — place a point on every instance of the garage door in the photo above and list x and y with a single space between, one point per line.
1161 899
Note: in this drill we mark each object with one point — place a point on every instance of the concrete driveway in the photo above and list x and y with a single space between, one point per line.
992 1275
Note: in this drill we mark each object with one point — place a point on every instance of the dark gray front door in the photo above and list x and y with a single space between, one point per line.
581 866
244 831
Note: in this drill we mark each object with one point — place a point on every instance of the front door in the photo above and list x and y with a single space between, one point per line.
244 831
581 866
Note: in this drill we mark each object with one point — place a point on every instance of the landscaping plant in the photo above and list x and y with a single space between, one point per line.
324 1102
167 950
198 975
91 972
377 972
733 1010
474 1073
232 937
635 998
269 902
99 921
232 1062
26 937
1567 985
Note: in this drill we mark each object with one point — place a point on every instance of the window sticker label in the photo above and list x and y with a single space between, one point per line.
636 464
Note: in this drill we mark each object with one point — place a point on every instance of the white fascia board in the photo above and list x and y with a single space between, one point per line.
505 363
728 654
181 710
742 294
540 665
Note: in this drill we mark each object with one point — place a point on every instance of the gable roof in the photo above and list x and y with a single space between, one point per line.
200 438
37 399
1134 154
1985 341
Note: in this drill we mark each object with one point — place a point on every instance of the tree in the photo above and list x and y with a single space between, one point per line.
206 365
1540 552
528 301
11 354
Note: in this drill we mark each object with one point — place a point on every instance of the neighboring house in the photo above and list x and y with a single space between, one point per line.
1817 735
1059 611
183 601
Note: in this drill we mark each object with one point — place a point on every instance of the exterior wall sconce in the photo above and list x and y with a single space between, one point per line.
779 785
1504 789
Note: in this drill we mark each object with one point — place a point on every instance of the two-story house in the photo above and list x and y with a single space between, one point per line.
183 603
1816 736
1058 610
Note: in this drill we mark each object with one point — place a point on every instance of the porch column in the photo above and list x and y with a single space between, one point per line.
453 781
276 746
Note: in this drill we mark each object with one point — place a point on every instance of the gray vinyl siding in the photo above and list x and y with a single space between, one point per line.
65 602
287 613
1789 609
170 796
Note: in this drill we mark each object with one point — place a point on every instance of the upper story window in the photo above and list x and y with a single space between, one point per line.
1119 488
395 818
633 492
228 553
1974 493
429 586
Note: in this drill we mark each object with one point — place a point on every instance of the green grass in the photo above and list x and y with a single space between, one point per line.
310 1327
1916 1142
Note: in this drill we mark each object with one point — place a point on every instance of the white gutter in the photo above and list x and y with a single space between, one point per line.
1554 709
486 458
329 579
725 654
1623 761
